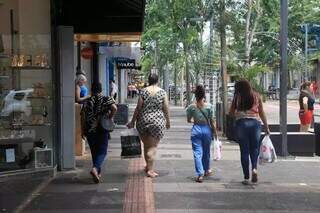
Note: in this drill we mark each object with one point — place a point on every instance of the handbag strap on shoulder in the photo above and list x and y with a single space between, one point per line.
206 117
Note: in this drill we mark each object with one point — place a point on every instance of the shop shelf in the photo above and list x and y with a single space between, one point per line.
5 141
40 97
31 68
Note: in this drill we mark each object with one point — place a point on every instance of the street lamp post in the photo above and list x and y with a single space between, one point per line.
284 74
306 51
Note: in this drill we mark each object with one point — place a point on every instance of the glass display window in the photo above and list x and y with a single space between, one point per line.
26 102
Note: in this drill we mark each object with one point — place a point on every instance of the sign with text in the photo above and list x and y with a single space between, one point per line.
87 53
126 63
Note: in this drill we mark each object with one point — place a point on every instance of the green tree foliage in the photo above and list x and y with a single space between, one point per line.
168 23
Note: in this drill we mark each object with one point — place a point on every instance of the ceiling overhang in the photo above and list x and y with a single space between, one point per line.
109 37
104 19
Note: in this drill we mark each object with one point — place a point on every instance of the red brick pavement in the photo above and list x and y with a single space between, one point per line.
139 197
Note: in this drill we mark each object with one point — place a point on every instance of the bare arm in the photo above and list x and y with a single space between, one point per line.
213 126
232 109
113 110
136 113
305 103
166 111
263 117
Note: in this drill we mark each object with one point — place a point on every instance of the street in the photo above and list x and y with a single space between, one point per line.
289 185
272 111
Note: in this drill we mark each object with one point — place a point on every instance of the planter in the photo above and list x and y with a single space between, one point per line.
317 137
299 143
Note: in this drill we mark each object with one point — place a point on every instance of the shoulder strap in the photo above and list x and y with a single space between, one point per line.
208 121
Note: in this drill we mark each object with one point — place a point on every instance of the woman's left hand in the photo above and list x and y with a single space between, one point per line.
168 125
130 125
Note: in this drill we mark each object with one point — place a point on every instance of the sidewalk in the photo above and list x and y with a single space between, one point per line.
289 185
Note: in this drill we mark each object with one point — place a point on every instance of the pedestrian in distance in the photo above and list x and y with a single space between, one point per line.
314 88
306 103
247 108
95 108
201 114
151 117
81 89
113 89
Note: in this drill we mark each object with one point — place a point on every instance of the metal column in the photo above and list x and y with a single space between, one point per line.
284 75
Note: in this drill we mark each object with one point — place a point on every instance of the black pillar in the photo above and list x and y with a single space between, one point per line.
95 62
78 58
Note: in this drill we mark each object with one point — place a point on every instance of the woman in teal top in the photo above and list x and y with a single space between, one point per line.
201 115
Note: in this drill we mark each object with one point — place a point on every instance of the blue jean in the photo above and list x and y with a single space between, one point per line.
98 143
248 137
201 141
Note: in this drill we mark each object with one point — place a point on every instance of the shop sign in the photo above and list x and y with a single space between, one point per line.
126 64
87 53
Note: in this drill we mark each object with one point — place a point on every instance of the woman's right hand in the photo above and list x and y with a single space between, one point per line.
267 130
130 125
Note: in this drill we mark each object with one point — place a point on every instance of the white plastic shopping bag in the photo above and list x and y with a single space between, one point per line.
217 146
267 151
129 132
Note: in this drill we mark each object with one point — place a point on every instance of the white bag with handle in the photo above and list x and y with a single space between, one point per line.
217 146
267 151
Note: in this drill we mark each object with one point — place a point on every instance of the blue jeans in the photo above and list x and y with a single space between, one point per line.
248 136
98 143
201 141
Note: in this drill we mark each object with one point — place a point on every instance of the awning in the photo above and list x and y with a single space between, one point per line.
115 37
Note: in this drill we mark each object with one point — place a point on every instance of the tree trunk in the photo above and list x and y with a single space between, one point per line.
185 50
247 34
166 78
250 32
175 83
223 42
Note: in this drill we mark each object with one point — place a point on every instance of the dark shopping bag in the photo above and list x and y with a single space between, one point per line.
130 144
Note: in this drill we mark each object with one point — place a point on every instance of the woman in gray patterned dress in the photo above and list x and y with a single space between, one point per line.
152 117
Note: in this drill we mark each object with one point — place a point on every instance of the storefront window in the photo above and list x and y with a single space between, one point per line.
25 85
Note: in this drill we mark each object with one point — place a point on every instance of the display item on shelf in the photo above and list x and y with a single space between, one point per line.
12 104
14 61
21 61
39 90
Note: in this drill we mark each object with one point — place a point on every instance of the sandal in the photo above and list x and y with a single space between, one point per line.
152 174
208 173
254 178
245 182
94 175
199 179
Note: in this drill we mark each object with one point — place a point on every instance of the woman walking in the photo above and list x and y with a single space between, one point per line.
248 110
201 115
306 102
152 117
96 107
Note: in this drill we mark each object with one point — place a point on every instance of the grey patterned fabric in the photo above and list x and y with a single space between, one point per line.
151 119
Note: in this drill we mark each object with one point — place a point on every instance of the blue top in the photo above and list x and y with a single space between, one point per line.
83 91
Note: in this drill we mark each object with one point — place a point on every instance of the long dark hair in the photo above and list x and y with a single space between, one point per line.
200 92
153 79
305 85
243 95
